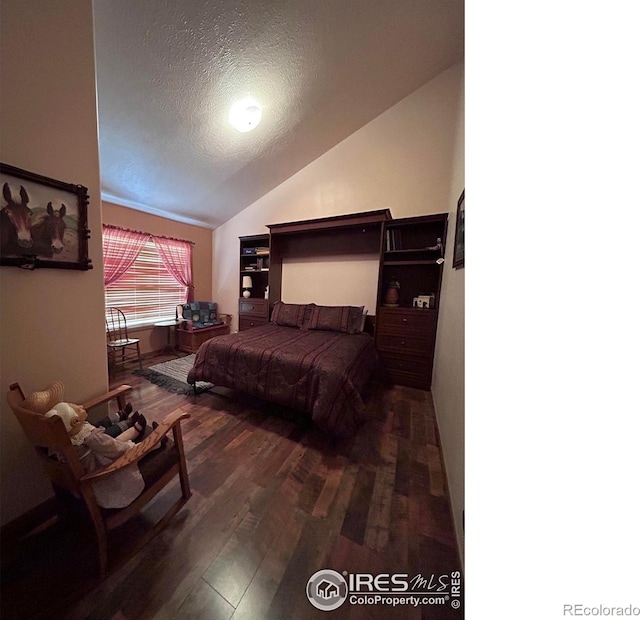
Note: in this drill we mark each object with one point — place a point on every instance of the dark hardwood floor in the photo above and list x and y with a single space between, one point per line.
273 502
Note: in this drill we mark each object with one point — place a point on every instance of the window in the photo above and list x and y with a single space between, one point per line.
140 274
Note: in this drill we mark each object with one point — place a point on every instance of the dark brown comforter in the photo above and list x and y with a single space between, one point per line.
321 373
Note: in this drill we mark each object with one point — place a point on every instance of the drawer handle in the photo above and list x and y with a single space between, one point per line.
403 343
404 319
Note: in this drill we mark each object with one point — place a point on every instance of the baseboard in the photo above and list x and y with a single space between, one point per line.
459 543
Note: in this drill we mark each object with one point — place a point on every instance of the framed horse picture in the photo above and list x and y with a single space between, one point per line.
43 222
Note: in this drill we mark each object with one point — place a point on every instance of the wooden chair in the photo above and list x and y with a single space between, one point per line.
72 484
120 348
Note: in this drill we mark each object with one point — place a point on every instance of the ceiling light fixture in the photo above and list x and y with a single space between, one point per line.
245 114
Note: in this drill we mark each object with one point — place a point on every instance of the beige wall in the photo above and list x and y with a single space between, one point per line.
154 339
52 323
411 160
448 376
305 279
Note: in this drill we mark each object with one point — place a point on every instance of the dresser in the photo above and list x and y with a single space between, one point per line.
405 339
252 312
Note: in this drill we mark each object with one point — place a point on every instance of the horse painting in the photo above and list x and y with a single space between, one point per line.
15 222
48 231
43 221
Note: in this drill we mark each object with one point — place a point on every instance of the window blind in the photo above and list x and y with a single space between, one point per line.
147 292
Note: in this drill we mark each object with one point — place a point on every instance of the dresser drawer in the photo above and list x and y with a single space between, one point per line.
413 319
254 307
404 343
246 322
412 371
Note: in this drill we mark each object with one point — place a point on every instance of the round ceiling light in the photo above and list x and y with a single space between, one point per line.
245 114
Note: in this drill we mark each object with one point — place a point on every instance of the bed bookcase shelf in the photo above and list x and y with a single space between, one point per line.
255 257
413 256
409 250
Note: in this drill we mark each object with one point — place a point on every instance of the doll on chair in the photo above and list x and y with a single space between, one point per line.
97 449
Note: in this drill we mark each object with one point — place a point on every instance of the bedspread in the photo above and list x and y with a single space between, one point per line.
321 373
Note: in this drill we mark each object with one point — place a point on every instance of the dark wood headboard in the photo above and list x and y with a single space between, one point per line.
354 233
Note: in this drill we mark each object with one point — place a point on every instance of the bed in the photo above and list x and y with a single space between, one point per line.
315 359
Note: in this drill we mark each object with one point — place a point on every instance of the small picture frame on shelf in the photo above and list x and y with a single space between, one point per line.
424 301
458 247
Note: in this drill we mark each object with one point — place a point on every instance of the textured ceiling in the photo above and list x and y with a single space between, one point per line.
169 70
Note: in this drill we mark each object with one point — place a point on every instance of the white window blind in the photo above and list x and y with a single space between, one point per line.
147 292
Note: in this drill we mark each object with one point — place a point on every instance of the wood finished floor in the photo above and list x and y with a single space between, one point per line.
273 502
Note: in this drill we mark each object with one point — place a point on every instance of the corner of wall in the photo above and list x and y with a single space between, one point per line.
52 319
448 388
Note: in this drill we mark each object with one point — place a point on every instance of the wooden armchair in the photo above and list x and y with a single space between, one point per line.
71 482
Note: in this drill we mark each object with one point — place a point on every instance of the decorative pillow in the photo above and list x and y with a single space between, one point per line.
345 319
44 400
288 315
307 315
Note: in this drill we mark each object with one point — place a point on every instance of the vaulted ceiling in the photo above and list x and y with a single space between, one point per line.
169 70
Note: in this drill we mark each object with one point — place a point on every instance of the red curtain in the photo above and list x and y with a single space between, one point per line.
176 257
120 249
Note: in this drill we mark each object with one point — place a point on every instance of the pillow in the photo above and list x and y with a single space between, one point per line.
288 315
344 319
307 315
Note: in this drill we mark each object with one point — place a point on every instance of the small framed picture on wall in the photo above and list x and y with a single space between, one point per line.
458 248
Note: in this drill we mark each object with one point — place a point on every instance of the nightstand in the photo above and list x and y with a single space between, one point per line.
190 341
405 339
252 312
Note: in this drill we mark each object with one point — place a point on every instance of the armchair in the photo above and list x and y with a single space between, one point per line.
72 484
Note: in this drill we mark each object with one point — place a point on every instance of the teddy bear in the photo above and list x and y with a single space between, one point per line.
95 447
